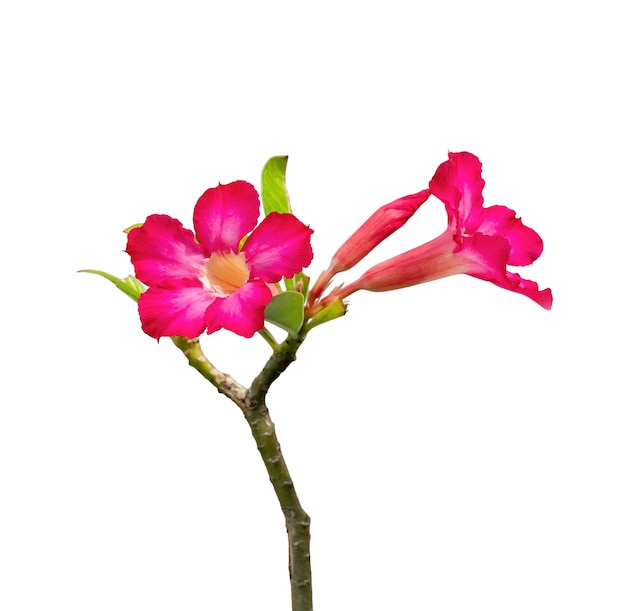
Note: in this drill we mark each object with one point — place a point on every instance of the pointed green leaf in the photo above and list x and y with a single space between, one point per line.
129 285
286 310
273 188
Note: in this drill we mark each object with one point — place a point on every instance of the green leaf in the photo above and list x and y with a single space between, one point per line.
335 310
273 188
286 310
129 285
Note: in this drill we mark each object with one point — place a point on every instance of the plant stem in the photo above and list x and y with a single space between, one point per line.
191 348
296 519
264 433
253 405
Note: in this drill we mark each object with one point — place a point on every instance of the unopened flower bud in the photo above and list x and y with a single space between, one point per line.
385 221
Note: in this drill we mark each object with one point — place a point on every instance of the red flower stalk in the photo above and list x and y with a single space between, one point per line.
481 242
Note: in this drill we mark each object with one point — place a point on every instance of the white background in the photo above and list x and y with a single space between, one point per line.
456 446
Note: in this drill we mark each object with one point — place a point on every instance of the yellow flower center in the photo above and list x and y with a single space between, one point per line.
225 272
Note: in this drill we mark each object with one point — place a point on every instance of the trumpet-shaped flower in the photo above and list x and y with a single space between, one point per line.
207 281
481 242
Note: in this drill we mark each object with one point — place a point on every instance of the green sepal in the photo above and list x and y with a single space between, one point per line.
286 310
335 310
299 283
303 280
129 285
273 187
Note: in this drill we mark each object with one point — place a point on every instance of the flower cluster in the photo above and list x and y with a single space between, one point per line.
226 274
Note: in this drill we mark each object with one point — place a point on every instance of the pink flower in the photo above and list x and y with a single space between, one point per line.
207 281
481 242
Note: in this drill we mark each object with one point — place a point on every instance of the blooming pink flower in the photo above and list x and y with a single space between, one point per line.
207 281
479 241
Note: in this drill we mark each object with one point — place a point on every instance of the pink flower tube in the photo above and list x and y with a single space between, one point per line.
481 242
206 282
378 227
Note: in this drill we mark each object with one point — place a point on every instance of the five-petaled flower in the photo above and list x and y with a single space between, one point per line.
481 242
208 281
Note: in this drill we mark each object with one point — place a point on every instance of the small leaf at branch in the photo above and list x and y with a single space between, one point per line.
286 310
273 188
129 285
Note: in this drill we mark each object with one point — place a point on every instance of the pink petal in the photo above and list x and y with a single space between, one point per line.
162 250
529 288
279 246
485 257
242 312
225 214
178 309
526 245
459 185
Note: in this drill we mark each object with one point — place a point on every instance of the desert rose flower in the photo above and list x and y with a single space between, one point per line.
481 242
207 282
